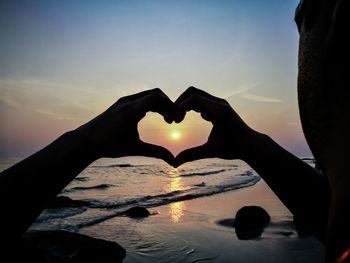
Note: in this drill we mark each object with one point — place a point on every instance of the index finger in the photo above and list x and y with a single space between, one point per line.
192 90
156 101
211 110
197 100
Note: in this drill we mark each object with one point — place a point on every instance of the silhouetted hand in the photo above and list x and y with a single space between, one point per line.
114 132
230 137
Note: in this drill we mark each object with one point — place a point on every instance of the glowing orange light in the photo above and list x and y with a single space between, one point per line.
175 135
344 257
176 210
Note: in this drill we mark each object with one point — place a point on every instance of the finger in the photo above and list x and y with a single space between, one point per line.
205 117
139 95
192 154
209 109
192 93
193 90
133 97
156 151
155 101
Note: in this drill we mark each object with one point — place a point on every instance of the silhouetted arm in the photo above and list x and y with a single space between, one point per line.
27 187
303 189
299 186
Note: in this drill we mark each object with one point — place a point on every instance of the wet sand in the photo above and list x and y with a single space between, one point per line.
189 231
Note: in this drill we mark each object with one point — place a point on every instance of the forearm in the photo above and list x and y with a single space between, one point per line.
303 189
30 185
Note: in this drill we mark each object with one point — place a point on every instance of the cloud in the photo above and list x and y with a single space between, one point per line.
242 90
258 98
53 99
244 94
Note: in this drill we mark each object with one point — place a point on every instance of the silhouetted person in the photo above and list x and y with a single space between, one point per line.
324 94
318 200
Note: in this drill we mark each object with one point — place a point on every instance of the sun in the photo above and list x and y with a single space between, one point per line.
175 135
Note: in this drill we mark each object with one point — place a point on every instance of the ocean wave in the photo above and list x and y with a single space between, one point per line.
132 201
221 165
83 188
174 196
82 179
163 199
51 213
204 173
122 165
247 173
116 208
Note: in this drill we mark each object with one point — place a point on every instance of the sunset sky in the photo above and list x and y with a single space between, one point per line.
64 62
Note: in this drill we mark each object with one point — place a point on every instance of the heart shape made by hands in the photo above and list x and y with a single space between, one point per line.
176 137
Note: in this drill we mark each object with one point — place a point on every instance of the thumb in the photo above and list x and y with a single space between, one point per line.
192 154
156 151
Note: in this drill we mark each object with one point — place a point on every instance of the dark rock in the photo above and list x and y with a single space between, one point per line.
137 211
67 247
250 222
64 201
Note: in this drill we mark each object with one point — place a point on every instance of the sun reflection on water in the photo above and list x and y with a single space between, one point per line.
176 210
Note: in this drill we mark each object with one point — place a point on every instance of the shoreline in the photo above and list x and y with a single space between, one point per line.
188 231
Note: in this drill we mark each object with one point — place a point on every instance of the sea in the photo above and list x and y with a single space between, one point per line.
108 187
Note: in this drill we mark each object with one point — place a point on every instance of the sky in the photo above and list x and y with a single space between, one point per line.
64 62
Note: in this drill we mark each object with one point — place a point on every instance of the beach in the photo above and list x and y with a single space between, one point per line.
192 209
188 231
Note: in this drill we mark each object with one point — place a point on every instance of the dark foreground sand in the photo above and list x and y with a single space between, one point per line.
188 231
